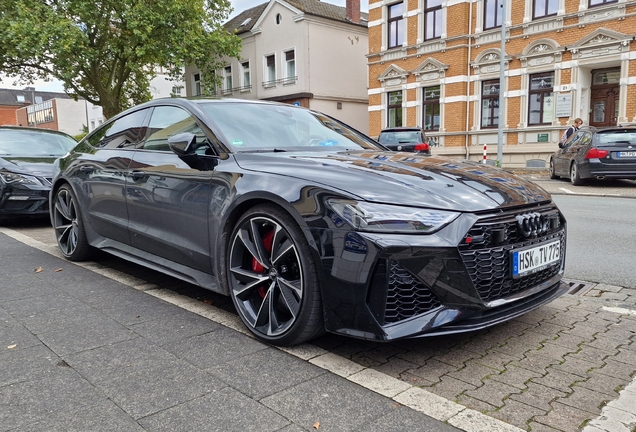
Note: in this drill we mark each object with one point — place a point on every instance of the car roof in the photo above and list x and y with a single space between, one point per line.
34 129
402 129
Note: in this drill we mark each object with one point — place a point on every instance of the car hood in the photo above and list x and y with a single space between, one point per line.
40 166
403 178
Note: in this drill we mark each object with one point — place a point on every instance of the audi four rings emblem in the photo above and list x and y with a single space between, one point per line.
532 224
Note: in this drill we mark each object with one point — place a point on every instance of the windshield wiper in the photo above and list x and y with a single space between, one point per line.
274 150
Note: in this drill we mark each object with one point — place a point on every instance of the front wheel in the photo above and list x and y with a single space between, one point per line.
273 279
575 178
552 170
69 226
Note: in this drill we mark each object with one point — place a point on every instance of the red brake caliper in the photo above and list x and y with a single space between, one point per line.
268 239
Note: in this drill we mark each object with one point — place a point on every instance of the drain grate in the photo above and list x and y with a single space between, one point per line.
579 288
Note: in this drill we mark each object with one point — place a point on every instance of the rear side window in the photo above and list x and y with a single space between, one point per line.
124 132
617 137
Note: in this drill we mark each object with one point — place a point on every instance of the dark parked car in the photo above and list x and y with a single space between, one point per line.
26 169
596 153
307 224
408 139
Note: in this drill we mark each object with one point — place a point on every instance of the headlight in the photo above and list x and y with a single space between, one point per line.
18 179
371 217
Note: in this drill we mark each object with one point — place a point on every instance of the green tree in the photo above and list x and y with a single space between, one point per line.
106 51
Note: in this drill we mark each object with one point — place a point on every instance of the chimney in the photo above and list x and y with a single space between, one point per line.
353 11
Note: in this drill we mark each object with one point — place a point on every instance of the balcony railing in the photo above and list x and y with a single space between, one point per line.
283 81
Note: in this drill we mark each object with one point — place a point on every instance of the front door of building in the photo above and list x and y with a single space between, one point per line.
605 99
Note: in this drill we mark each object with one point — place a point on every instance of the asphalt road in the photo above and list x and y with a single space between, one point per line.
601 239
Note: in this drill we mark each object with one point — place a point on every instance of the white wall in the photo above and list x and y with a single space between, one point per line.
71 115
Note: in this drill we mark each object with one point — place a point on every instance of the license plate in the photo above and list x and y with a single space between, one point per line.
627 154
534 259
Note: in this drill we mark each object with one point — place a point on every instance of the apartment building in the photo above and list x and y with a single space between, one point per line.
305 52
437 64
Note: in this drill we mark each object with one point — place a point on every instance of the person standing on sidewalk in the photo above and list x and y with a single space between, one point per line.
569 131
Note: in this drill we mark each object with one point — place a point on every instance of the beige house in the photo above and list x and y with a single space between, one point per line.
304 52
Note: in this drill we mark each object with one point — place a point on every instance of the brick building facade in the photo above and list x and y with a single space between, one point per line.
436 64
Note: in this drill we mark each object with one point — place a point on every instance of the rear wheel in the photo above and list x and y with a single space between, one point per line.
69 226
272 278
552 171
575 178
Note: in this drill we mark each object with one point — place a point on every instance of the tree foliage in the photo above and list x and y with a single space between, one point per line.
106 51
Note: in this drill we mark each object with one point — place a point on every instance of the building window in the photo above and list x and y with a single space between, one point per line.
247 82
492 13
490 104
396 25
20 98
601 2
196 84
40 113
544 8
228 79
431 108
433 19
395 109
541 99
270 69
290 67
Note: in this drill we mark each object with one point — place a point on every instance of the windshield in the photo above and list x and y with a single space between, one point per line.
22 142
252 127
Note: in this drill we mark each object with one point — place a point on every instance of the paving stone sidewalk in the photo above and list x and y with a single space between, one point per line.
79 351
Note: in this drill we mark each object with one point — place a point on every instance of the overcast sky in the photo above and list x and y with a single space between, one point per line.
238 5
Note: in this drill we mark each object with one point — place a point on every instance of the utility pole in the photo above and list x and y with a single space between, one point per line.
502 64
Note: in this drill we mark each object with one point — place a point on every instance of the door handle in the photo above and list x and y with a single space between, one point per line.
137 175
87 169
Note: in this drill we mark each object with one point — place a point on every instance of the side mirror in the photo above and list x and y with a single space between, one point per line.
182 144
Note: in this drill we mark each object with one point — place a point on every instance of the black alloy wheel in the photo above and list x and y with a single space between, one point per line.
552 171
575 178
272 278
68 225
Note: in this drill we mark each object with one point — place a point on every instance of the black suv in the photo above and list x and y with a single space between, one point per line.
407 139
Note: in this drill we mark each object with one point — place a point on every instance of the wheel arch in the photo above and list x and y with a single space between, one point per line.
243 205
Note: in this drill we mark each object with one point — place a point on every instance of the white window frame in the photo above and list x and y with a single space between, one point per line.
246 85
196 84
227 80
268 80
289 79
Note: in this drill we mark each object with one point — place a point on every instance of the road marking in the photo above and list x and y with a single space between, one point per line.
621 311
585 193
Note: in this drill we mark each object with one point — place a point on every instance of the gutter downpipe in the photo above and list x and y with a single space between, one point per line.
468 84
502 64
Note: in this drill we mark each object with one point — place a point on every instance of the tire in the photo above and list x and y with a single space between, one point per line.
552 171
575 179
272 278
69 225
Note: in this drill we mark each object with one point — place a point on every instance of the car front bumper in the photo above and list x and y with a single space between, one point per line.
388 287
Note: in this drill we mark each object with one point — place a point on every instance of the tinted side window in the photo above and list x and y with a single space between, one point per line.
124 132
167 121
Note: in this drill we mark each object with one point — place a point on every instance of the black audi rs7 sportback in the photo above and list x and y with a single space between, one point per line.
307 224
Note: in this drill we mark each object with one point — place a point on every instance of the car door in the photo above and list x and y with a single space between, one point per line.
102 172
167 200
567 153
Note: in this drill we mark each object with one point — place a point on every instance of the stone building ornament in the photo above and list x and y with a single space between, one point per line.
601 42
540 53
488 62
393 76
430 69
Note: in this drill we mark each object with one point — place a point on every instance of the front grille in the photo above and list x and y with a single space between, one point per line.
406 296
485 251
